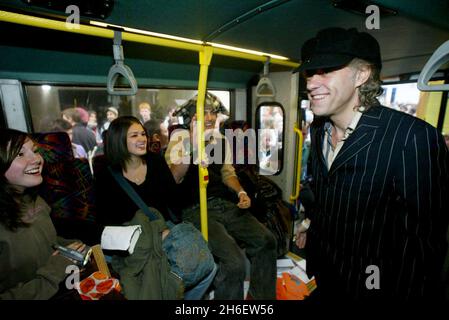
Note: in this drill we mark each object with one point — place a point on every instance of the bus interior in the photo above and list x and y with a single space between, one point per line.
58 54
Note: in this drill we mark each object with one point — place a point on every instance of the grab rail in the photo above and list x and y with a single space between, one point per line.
297 188
438 58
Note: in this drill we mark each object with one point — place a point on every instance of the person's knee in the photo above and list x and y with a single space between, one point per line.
265 239
269 241
234 266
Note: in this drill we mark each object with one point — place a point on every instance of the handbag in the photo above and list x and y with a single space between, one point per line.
186 250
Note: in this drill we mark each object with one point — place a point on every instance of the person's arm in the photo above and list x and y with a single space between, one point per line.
178 155
232 182
422 182
229 178
45 283
170 187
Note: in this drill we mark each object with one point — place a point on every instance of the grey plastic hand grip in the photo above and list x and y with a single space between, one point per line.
120 69
114 72
439 57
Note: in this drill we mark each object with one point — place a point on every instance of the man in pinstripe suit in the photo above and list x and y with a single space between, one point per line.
380 179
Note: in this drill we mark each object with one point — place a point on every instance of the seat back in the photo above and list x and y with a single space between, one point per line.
68 188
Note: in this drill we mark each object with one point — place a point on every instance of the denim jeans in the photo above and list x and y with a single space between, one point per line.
229 227
188 253
198 291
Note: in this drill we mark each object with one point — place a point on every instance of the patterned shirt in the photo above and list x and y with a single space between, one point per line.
329 152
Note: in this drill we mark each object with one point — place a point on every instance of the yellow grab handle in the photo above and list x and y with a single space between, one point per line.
203 176
297 188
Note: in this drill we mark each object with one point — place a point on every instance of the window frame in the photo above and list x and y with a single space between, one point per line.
257 126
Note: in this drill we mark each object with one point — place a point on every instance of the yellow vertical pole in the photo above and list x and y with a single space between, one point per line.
297 185
203 175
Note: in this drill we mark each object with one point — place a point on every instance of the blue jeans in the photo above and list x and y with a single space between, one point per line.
198 291
188 253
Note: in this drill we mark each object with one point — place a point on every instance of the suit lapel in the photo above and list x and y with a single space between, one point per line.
317 147
360 139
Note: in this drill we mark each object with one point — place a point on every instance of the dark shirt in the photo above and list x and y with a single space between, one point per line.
84 137
158 190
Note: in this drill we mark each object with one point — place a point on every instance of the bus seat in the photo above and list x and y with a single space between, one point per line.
68 188
54 146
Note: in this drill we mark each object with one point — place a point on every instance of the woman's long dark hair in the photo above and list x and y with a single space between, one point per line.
11 142
115 141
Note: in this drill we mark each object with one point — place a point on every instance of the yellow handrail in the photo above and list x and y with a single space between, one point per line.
297 188
129 36
203 175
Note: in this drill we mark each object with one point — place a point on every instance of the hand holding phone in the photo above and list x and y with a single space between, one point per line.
81 258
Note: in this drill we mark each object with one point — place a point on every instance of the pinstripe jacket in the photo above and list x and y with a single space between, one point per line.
383 203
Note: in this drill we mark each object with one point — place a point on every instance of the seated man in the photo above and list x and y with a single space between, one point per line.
228 223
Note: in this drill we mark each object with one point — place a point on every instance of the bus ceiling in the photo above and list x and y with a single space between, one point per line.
104 31
408 32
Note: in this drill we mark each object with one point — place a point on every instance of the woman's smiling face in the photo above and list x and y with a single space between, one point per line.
136 140
25 170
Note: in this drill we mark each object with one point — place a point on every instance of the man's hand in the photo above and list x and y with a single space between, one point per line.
301 233
244 201
301 238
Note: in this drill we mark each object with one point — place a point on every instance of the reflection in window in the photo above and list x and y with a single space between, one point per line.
402 96
98 108
270 136
90 110
407 98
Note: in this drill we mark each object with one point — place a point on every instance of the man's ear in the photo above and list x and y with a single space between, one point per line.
362 75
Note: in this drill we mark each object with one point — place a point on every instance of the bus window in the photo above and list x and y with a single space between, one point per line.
403 97
270 133
46 103
406 97
2 115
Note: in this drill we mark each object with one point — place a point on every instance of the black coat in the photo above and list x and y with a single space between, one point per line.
383 203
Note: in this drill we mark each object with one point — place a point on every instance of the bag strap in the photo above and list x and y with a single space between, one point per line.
132 193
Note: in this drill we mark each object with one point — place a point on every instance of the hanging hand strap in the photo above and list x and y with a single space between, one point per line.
120 69
265 87
132 193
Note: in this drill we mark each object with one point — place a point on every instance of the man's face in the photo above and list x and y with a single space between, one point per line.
110 115
92 120
146 114
333 92
209 119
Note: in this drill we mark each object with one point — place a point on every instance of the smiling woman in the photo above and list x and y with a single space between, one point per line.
25 170
29 266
